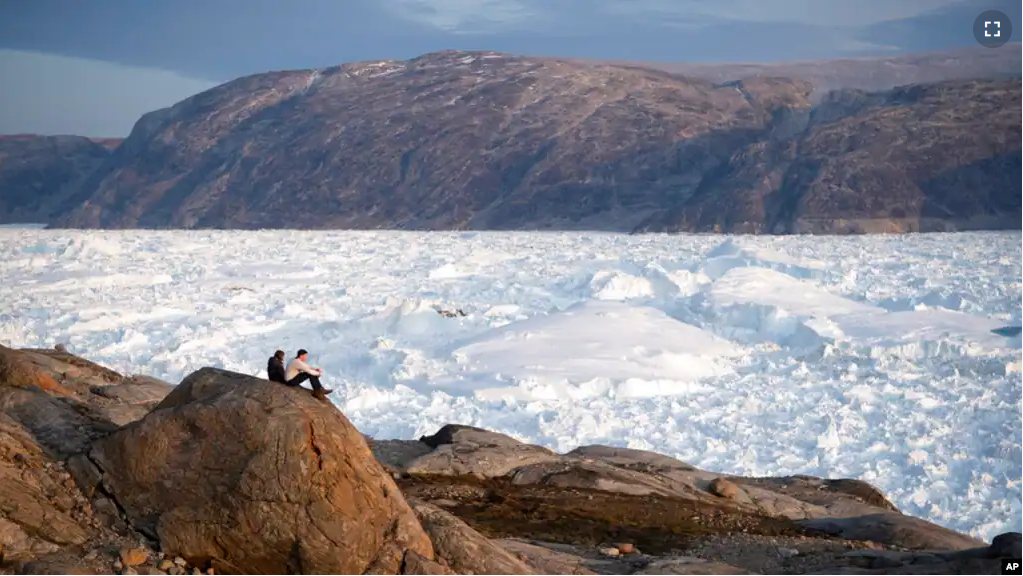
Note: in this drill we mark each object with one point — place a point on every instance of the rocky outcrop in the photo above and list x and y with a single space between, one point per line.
233 474
459 450
482 140
66 402
81 493
464 549
629 458
464 450
62 403
689 565
594 496
35 505
48 413
39 174
253 477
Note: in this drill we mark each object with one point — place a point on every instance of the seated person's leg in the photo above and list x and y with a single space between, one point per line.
298 379
317 387
315 381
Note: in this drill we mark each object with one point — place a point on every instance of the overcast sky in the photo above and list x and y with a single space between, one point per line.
92 67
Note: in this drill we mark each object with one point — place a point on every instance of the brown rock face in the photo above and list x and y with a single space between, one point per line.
17 371
482 453
481 140
416 563
254 477
465 450
48 412
464 549
566 560
65 416
38 174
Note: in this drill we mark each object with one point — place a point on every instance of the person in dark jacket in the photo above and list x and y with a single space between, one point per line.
275 368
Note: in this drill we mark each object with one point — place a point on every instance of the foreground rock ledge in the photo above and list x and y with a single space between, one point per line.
241 475
52 405
253 477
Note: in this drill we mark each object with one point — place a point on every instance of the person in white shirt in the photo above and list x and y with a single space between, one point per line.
298 372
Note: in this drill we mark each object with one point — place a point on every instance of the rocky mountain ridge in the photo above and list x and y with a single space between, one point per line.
484 140
866 73
226 473
933 157
39 173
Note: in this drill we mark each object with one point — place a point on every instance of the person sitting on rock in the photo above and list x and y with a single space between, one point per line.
298 372
275 368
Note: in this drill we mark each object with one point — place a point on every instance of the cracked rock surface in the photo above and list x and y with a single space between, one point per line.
255 477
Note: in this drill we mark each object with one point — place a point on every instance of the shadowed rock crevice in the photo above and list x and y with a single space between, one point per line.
90 480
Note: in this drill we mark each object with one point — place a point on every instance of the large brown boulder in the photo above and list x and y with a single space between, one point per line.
253 477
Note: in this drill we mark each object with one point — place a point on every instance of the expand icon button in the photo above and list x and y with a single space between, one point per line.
992 29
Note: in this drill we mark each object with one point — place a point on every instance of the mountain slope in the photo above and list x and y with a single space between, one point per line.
874 73
918 158
39 173
458 140
449 140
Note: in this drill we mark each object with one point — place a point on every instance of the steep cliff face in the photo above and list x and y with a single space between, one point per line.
449 140
39 173
483 140
922 157
927 157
